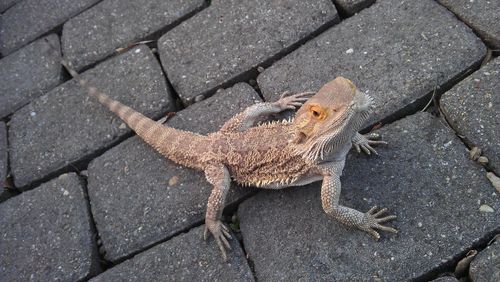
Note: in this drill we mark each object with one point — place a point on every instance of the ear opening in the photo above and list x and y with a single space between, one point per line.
300 138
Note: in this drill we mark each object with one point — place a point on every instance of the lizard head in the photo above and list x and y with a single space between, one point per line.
330 118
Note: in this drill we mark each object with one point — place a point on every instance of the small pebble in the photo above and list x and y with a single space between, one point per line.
486 208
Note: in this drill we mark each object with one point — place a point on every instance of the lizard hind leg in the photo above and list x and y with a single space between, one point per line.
217 175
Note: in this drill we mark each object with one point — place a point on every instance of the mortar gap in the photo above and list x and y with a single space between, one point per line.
460 19
76 166
103 263
344 14
252 73
8 193
57 29
153 37
419 104
449 266
175 96
146 248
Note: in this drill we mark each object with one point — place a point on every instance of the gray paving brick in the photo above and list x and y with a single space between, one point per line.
350 7
423 176
473 107
99 31
5 4
183 258
481 15
395 50
139 198
229 38
66 126
486 265
29 19
29 73
45 234
446 279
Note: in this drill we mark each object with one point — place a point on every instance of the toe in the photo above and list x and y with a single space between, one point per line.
387 218
380 212
386 228
374 234
372 210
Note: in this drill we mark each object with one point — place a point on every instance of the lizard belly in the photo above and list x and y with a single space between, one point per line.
306 179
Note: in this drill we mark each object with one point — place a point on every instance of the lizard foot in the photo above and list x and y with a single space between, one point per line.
220 233
364 143
372 220
293 101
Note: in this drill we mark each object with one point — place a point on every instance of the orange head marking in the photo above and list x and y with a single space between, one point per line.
330 118
328 106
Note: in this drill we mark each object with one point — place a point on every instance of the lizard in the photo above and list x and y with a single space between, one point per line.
310 147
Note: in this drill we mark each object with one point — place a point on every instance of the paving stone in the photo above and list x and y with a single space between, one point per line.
183 258
46 235
139 198
423 176
481 15
5 4
397 51
446 279
99 31
486 265
66 126
229 38
29 19
29 73
473 107
350 7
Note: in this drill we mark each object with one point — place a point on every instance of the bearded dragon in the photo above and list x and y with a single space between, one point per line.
310 147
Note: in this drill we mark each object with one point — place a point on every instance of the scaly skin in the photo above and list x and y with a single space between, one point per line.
311 147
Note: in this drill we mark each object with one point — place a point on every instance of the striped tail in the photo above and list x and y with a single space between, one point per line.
154 133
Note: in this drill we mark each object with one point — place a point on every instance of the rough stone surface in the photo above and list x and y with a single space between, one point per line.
231 37
473 108
350 7
183 258
397 51
29 73
481 15
45 234
99 31
3 153
424 177
29 19
486 265
139 198
446 279
66 126
5 4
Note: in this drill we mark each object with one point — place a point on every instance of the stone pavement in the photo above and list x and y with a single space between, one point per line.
85 199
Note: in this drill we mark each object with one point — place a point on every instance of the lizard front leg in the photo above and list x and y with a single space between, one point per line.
330 193
249 116
362 142
219 177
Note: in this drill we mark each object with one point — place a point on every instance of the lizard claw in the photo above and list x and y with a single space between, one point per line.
221 235
293 101
364 142
372 220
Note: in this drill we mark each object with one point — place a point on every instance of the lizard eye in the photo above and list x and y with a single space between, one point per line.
317 112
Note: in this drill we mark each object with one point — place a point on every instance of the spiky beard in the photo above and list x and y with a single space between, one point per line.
340 132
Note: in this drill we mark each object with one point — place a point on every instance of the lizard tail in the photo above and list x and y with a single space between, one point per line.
154 133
